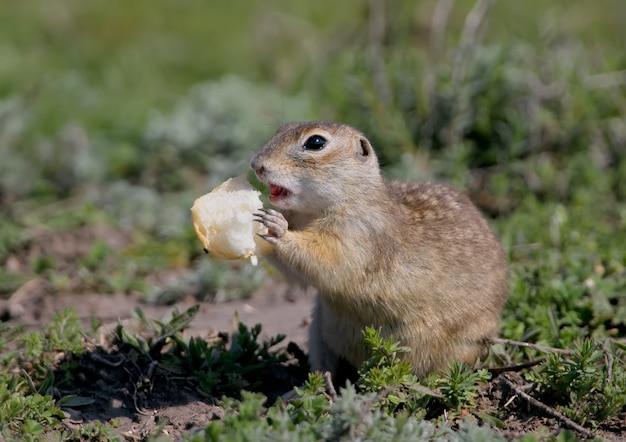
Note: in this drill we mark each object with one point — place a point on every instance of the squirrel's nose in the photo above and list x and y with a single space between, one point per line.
256 165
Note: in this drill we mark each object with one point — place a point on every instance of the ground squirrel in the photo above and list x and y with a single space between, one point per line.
416 260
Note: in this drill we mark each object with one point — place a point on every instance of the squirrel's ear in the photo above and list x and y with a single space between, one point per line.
365 149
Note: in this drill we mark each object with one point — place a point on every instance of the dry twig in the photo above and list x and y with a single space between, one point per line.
546 409
542 348
473 22
330 388
438 25
608 360
470 35
514 367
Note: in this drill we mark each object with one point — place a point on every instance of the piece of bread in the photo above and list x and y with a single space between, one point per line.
224 223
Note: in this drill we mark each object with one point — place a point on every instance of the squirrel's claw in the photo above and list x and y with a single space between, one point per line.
274 221
269 238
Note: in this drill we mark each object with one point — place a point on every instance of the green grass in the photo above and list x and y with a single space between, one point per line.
113 118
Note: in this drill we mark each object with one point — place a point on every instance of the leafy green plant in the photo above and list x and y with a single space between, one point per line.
223 366
160 333
94 431
8 335
241 365
22 413
565 289
386 370
33 366
38 352
459 385
385 366
312 404
587 385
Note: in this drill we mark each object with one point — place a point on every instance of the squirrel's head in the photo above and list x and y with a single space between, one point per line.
316 166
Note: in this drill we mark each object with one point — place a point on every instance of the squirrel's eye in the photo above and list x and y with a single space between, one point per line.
314 142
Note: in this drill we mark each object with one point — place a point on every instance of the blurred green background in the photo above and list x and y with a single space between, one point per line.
115 115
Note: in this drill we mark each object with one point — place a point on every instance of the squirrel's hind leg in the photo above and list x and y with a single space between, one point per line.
322 358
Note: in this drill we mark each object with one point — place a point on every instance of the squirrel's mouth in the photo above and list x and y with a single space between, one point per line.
277 193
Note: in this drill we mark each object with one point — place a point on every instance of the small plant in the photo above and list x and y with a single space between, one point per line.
387 370
244 417
587 386
227 369
310 405
94 431
44 360
39 353
160 333
24 413
385 366
458 384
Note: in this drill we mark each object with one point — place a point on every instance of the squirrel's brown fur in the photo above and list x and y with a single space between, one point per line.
416 260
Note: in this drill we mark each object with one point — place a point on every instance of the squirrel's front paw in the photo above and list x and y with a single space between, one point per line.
274 221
